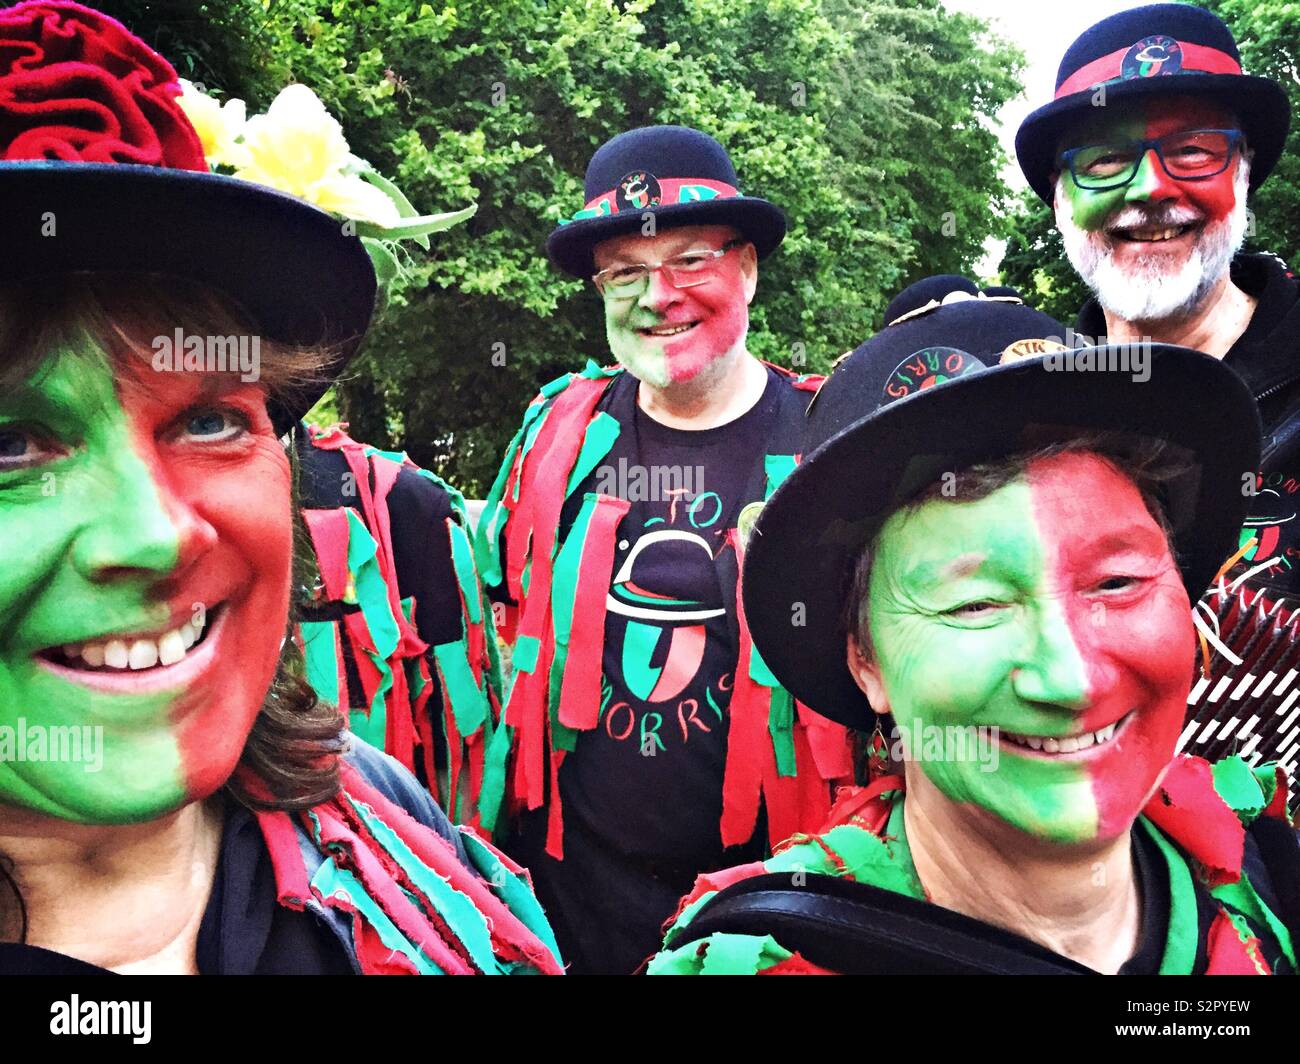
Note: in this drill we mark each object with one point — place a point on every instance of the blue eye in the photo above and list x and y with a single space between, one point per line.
22 447
214 426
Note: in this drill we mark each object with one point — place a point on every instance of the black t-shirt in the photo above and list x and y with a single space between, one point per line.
642 792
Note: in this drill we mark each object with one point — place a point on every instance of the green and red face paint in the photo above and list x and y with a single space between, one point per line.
1118 216
1051 608
669 335
141 506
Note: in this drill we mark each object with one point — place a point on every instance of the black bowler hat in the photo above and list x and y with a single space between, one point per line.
968 381
682 176
101 170
1161 49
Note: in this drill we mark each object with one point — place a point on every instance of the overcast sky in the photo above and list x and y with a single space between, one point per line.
1043 29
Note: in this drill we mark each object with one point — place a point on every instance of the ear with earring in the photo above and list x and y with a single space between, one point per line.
878 760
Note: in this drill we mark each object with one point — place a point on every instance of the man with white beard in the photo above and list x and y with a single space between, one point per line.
1147 154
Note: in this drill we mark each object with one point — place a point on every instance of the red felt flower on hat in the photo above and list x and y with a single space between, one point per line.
77 86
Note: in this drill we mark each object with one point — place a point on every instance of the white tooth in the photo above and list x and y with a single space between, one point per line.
188 634
1104 734
116 655
1086 740
1069 744
93 654
144 654
1034 742
1050 746
171 648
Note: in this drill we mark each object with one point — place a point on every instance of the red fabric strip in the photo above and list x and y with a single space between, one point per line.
1227 954
580 684
1186 807
1197 58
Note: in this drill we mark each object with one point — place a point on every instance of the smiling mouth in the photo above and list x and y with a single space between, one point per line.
1058 745
669 330
1151 234
139 660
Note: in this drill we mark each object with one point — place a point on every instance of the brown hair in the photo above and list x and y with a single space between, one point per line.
296 739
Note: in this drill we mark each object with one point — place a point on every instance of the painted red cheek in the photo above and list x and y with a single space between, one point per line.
723 314
1137 651
230 506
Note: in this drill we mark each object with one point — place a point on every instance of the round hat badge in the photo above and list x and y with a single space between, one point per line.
928 367
1152 57
637 191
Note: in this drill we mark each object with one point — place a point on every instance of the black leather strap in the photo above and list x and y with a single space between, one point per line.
857 929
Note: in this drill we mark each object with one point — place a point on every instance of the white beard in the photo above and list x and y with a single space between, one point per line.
1147 291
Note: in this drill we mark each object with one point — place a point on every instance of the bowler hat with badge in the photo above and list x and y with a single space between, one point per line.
959 377
1159 49
676 174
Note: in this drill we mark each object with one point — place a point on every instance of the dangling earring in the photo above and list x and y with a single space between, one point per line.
877 753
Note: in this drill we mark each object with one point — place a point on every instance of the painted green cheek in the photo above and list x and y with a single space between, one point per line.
90 758
644 359
1090 209
65 750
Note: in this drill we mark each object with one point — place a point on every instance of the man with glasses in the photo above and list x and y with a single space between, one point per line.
650 742
1147 155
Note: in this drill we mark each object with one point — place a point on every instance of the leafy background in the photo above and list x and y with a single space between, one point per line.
871 122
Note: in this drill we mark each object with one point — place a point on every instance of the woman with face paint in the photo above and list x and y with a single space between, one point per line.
1003 592
173 796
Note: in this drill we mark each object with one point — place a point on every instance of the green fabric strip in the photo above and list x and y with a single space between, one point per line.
728 954
456 909
333 882
511 889
564 588
469 705
320 648
493 790
1237 785
758 670
1242 897
777 467
1184 929
602 431
372 596
462 560
527 648
780 725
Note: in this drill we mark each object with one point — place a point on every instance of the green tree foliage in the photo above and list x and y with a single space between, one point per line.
1034 261
1268 36
868 121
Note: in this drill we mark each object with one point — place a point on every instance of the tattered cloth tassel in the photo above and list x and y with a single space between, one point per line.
415 908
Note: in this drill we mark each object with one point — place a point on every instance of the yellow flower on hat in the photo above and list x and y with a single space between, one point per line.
218 125
298 147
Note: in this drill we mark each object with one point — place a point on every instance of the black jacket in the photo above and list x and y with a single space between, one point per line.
1267 357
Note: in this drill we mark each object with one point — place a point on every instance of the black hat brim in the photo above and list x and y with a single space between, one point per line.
763 224
809 535
286 263
1259 104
